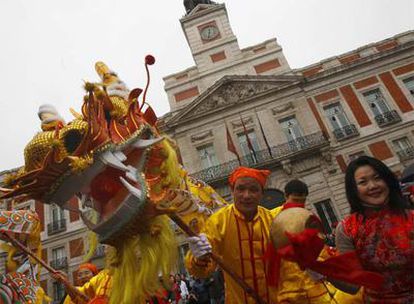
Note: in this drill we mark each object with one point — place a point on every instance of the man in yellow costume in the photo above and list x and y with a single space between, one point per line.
296 285
239 234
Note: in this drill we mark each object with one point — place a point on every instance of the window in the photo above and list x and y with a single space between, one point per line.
376 102
326 214
244 146
57 220
293 133
409 84
56 213
291 128
339 121
404 148
58 291
58 253
207 156
59 259
380 108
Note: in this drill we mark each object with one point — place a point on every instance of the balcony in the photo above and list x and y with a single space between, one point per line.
345 132
56 226
59 263
387 118
407 153
278 153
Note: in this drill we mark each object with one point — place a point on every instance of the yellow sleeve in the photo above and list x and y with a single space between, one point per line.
213 229
274 212
89 288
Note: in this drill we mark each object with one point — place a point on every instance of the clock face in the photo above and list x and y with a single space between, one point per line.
209 32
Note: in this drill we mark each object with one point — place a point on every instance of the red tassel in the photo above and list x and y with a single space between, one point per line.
273 260
304 249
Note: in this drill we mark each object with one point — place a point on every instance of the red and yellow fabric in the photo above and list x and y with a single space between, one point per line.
241 244
98 287
295 285
89 266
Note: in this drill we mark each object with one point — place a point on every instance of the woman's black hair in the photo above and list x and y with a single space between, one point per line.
396 199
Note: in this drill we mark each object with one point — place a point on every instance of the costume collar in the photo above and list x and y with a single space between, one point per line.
293 204
241 216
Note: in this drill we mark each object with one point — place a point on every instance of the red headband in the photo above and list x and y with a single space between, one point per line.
259 175
90 267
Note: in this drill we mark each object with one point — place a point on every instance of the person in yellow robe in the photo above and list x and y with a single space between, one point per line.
296 285
96 288
239 234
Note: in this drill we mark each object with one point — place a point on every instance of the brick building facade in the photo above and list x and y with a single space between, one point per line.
305 123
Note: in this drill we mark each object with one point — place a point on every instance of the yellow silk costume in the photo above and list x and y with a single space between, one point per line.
99 285
346 298
296 286
241 244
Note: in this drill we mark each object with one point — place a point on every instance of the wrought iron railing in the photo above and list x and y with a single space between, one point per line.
345 132
406 153
387 118
56 226
298 145
59 263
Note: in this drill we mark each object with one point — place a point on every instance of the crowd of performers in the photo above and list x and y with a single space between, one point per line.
131 185
379 230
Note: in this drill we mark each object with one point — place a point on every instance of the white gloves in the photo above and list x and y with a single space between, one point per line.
199 245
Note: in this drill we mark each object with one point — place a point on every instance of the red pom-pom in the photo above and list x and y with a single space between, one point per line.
149 59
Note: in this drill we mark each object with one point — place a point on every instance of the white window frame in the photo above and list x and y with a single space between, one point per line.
369 104
403 79
291 136
211 159
341 124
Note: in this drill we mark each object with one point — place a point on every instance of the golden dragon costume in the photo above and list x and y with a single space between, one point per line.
126 176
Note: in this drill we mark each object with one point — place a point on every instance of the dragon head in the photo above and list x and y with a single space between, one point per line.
126 175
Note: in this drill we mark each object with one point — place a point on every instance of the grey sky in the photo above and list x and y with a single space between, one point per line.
48 47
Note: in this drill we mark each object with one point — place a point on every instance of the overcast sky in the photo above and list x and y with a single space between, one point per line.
48 47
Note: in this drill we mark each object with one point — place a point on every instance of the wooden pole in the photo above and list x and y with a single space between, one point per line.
250 291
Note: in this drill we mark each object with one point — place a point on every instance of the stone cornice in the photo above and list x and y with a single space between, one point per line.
200 75
356 64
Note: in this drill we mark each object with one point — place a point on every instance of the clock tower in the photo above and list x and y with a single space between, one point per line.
217 54
207 29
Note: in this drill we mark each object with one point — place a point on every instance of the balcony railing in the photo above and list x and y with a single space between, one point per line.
387 118
59 263
290 148
406 153
56 226
345 132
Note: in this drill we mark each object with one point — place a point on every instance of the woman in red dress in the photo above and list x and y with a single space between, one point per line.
380 229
